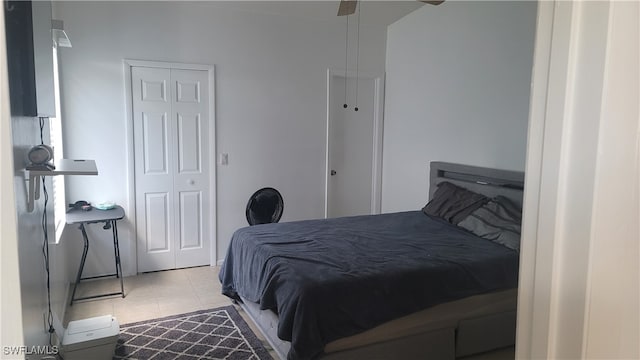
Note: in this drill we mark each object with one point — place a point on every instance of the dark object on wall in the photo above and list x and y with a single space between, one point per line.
81 205
20 61
265 206
30 57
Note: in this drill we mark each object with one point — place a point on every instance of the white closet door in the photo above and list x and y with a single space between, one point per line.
170 114
190 91
153 144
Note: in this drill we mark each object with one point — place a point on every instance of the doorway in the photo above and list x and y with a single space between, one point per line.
354 144
174 193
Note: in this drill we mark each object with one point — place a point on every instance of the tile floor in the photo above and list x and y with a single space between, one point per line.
164 293
151 295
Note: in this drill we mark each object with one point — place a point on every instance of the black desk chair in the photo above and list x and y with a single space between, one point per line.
265 206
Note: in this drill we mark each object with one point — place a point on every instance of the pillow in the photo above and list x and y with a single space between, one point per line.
496 222
453 203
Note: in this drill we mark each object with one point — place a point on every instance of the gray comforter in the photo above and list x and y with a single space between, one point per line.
328 279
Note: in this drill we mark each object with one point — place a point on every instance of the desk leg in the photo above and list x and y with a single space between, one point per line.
116 249
82 260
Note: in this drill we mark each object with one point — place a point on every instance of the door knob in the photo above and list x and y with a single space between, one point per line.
191 181
333 172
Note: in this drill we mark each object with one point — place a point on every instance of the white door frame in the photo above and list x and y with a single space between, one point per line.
557 260
376 180
131 208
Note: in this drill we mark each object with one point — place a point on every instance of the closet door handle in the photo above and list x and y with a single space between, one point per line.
191 181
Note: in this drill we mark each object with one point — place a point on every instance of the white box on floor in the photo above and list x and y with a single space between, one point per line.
94 338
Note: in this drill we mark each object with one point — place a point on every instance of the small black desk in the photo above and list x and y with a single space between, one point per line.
109 218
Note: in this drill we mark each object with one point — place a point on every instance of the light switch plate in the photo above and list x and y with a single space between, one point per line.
224 159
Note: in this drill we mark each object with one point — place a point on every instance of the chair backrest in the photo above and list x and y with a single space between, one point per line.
264 206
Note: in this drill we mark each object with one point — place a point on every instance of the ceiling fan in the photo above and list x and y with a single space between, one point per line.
348 7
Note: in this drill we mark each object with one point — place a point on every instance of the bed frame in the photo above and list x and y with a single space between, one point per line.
462 337
487 181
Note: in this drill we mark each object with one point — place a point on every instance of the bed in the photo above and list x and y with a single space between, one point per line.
399 285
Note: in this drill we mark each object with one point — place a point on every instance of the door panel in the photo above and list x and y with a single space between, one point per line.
189 148
190 91
171 113
154 90
190 220
154 138
157 222
351 146
153 168
187 91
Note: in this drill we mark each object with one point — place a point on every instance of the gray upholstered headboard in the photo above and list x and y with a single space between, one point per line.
487 181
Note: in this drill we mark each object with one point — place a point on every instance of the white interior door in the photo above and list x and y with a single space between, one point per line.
190 94
153 145
351 146
170 115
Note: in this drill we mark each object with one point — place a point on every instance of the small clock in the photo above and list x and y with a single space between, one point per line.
40 155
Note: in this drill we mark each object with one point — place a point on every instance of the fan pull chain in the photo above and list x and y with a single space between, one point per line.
346 55
357 55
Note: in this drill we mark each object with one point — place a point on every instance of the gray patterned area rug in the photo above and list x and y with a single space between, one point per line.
206 334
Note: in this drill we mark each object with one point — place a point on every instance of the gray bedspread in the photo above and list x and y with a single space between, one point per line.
328 279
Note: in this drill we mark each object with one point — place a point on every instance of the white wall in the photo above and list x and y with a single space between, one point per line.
33 287
23 283
10 318
457 90
270 100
